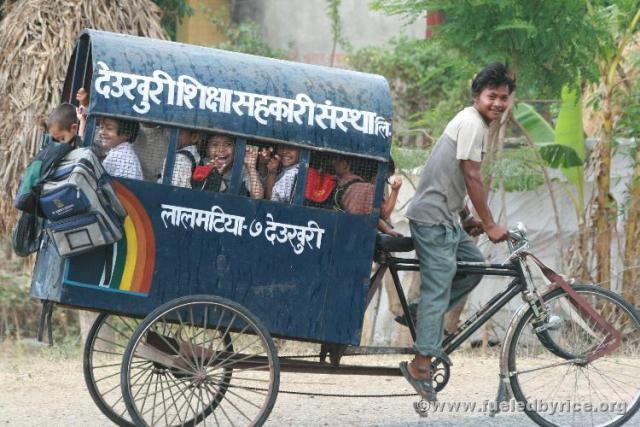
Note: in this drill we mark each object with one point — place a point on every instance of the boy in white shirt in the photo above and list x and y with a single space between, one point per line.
116 136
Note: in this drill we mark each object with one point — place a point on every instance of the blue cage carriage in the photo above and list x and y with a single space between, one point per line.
172 246
303 271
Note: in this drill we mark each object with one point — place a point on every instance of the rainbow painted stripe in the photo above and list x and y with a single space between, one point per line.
135 254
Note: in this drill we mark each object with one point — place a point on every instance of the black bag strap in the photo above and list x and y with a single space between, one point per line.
293 188
189 155
341 189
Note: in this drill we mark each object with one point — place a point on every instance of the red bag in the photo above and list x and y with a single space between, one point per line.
200 172
319 185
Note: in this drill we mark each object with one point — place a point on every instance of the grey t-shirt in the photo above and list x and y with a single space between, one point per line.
441 191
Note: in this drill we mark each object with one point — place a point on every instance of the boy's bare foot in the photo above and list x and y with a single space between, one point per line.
419 379
418 370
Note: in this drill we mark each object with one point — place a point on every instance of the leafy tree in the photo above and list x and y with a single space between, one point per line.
616 25
429 82
173 12
337 31
548 45
545 43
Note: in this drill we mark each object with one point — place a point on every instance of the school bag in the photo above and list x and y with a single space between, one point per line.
322 190
43 163
81 206
25 236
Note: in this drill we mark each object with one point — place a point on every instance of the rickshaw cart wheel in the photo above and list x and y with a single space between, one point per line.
103 351
200 356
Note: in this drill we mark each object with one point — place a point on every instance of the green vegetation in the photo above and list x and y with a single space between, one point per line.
408 158
546 44
518 169
245 37
173 11
19 314
429 82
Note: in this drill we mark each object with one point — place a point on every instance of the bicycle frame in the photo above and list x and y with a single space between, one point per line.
479 318
516 267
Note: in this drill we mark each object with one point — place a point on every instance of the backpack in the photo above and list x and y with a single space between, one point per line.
36 172
81 206
322 190
340 191
25 236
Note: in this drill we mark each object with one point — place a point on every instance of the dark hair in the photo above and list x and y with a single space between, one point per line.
128 127
64 116
493 75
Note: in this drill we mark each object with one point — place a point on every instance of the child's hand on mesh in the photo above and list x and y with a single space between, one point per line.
251 157
274 163
265 155
83 97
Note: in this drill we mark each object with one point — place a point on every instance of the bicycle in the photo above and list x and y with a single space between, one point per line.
573 343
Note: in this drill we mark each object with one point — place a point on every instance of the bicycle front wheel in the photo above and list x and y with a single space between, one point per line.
549 377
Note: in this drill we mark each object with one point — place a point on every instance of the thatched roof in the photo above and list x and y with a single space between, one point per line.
36 40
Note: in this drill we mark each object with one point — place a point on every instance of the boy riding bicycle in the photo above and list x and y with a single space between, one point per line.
438 219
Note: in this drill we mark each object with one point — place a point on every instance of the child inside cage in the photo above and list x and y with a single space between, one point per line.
282 173
353 193
187 159
116 137
220 156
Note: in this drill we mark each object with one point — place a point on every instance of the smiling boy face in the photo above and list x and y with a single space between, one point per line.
109 133
492 102
288 155
220 149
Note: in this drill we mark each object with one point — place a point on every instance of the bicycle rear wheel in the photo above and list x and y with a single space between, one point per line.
556 389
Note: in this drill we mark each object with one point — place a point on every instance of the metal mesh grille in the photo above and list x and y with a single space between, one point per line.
187 158
151 147
129 150
339 182
218 153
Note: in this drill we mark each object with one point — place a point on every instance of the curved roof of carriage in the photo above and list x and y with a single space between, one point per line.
210 89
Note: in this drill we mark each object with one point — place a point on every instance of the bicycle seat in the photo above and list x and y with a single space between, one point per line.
387 243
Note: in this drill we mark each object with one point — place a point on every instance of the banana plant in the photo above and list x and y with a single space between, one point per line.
562 148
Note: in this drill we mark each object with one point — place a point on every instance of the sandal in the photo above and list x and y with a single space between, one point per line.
413 312
423 387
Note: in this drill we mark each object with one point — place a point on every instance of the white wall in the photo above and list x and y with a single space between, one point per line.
302 27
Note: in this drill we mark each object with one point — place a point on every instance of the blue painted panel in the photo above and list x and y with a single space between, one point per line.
198 87
315 291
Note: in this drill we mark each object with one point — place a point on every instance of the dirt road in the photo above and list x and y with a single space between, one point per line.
43 387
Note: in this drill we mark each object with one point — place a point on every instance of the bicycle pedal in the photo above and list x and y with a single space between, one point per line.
422 407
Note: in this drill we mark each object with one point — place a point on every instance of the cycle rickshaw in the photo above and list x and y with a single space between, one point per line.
193 294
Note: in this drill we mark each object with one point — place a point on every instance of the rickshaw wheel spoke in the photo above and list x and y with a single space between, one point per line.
103 351
191 347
